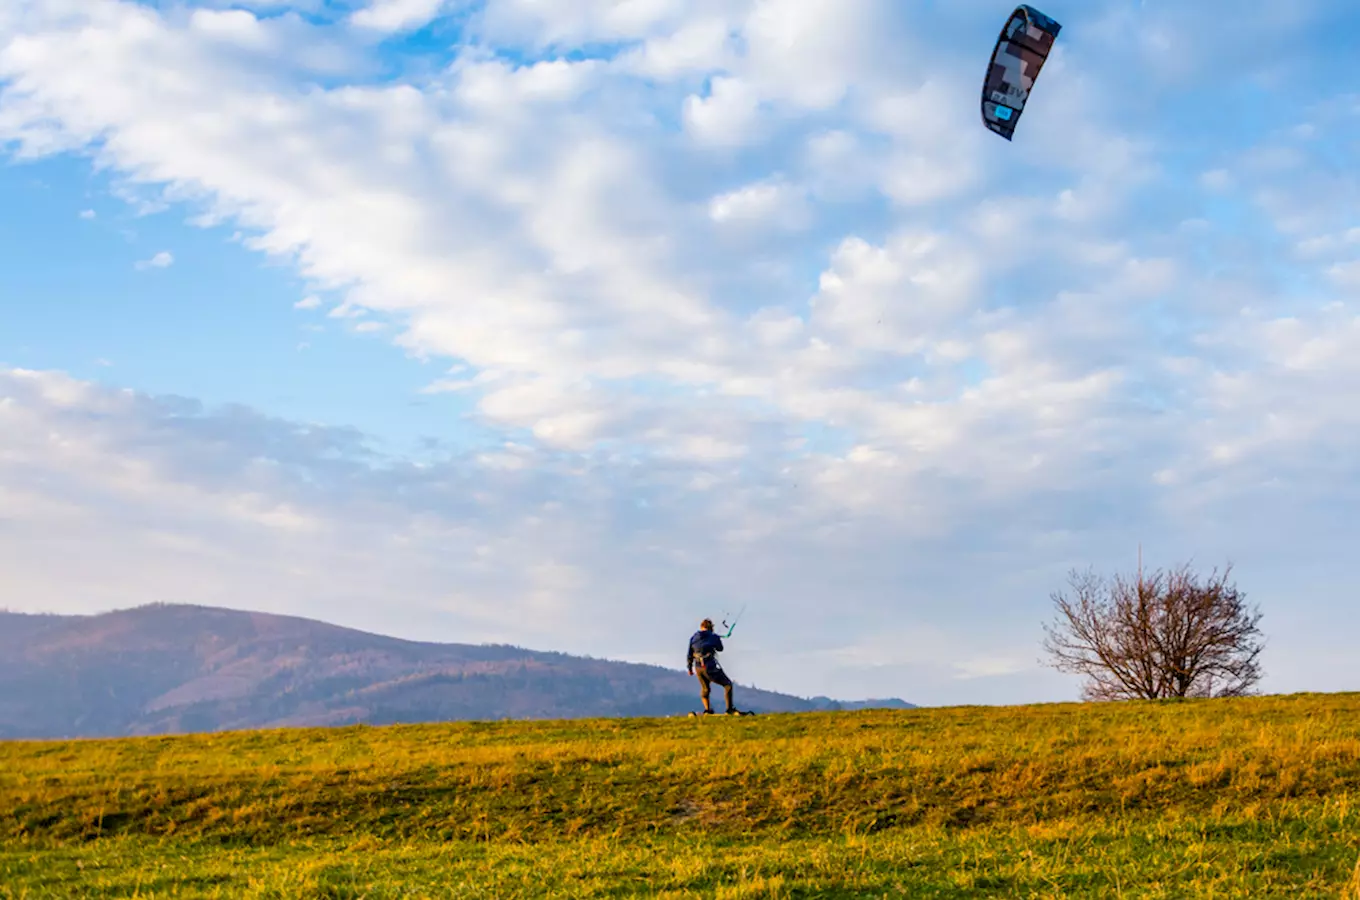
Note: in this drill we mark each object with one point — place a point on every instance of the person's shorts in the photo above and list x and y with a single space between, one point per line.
715 676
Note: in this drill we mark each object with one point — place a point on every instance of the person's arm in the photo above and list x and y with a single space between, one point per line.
717 640
689 658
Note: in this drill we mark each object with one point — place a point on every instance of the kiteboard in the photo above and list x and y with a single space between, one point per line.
717 715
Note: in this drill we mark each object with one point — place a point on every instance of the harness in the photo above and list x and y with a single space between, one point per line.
707 657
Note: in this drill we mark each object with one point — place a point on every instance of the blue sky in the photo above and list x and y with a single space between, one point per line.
218 324
568 324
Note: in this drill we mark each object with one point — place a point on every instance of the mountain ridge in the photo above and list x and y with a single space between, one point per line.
167 668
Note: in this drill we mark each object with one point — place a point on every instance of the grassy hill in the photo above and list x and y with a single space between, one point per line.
1244 798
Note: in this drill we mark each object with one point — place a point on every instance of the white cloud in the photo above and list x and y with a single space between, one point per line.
397 15
770 202
728 116
1346 274
700 44
87 214
162 260
1217 180
539 24
311 301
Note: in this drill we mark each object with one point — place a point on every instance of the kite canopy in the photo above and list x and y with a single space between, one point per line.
1020 53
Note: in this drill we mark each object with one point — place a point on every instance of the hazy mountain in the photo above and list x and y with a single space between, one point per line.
826 703
160 669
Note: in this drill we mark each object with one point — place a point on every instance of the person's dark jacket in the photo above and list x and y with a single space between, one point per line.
703 647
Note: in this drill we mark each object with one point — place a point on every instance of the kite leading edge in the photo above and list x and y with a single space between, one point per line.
1020 53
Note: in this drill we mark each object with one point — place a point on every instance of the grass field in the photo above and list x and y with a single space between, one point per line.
1243 798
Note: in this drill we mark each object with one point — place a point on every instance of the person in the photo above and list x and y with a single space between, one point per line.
704 648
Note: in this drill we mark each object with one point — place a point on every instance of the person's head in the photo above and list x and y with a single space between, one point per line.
706 625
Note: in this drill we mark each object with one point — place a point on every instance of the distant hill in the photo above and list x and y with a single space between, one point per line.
168 668
827 704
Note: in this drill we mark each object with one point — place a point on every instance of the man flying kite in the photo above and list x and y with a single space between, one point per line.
704 648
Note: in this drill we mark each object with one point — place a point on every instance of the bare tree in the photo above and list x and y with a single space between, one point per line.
1159 636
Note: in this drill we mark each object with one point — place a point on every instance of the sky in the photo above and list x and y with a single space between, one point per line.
565 324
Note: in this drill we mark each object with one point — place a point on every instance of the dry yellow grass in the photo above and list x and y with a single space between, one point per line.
1249 797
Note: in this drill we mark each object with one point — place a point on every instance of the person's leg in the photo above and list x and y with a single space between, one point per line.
721 678
703 688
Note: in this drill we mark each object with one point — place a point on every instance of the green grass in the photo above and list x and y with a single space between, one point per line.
1242 798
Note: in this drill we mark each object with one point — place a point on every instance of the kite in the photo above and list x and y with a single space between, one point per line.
1020 53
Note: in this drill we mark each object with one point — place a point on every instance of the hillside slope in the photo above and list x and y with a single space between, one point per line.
1252 798
164 669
